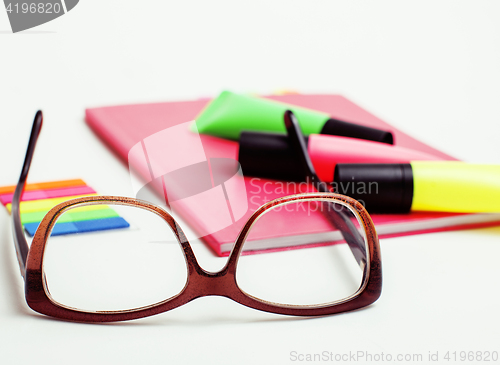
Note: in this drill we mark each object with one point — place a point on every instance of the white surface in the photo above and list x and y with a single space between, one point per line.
430 68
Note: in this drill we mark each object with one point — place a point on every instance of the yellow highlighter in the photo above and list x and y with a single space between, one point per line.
44 204
445 186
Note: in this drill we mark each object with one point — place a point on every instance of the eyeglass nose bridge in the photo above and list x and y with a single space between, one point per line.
205 283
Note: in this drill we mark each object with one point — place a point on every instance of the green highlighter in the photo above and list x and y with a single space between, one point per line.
230 114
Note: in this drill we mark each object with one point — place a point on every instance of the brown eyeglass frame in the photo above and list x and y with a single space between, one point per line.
199 282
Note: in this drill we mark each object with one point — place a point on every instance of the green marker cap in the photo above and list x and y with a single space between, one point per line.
230 114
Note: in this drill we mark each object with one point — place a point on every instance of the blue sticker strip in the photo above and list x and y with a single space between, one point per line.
81 226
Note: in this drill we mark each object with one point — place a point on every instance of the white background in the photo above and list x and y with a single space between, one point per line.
430 68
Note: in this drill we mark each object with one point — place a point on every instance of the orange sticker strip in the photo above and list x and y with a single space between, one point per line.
45 185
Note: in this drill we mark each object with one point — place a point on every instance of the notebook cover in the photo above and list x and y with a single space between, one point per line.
122 127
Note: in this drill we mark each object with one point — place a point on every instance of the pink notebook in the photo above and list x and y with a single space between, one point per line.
128 127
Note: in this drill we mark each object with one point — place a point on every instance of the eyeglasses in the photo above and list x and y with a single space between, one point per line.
109 276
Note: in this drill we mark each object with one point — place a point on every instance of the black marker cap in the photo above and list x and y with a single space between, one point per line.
381 188
337 127
270 156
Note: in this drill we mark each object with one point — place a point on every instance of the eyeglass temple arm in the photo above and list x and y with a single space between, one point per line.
19 238
337 218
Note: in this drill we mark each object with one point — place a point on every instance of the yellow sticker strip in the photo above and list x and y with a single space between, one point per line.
45 204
